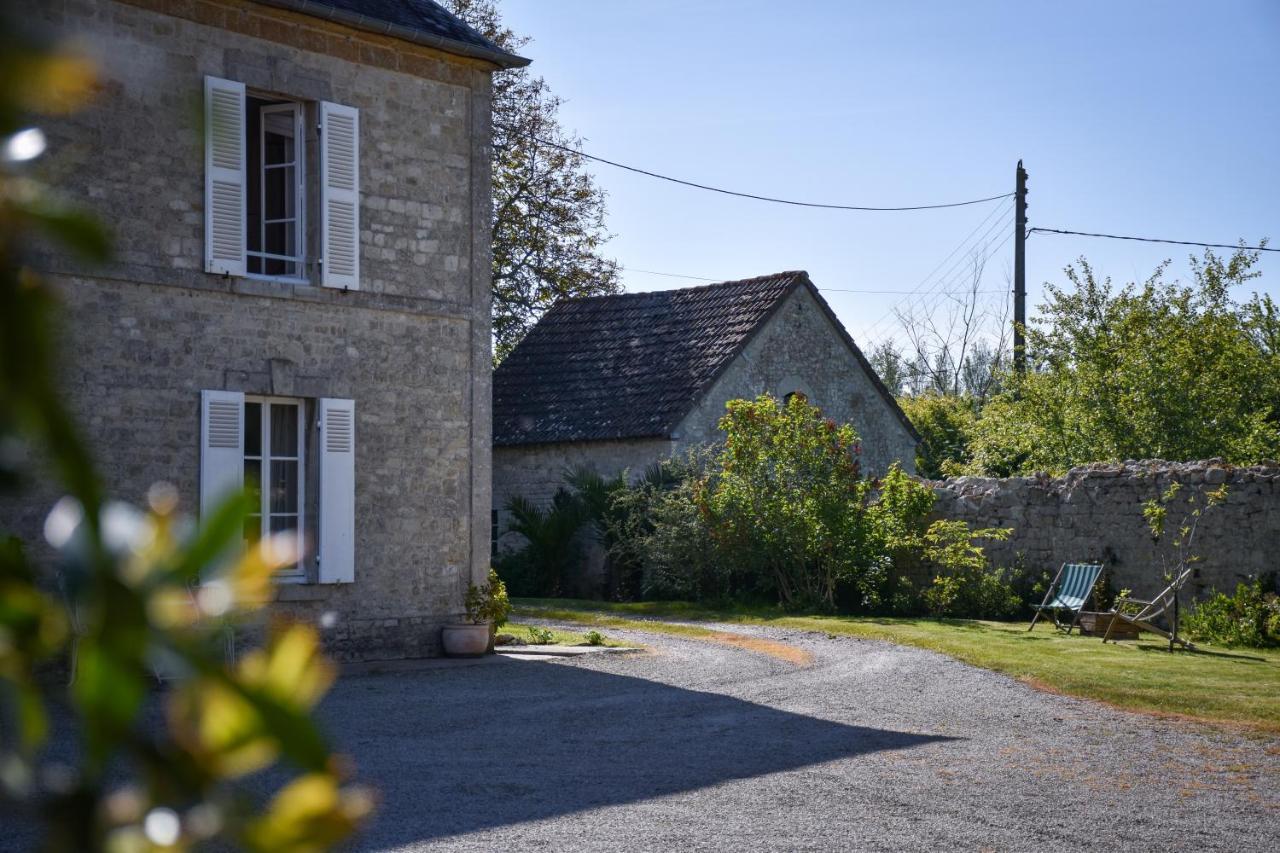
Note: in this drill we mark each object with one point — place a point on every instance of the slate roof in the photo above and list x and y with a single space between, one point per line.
415 20
633 365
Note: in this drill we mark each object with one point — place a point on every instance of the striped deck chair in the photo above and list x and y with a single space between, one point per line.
1070 590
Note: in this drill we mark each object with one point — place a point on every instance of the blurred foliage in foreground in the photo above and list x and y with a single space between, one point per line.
146 595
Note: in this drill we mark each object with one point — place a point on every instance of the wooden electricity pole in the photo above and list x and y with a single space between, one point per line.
1020 270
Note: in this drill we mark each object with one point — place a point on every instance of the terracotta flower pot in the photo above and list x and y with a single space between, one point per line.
465 639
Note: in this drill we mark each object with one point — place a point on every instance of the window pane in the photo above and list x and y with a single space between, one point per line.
284 487
253 528
277 137
279 239
253 479
284 429
278 187
284 524
252 429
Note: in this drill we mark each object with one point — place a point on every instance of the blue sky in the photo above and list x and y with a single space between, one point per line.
1143 118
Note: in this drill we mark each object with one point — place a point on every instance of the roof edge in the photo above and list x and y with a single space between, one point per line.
862 360
800 277
372 25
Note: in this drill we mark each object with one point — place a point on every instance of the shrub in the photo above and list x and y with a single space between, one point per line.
786 503
945 423
595 638
550 550
967 587
488 602
1251 617
540 636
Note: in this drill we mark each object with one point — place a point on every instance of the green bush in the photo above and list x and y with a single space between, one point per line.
550 550
1251 617
782 513
540 636
945 423
488 602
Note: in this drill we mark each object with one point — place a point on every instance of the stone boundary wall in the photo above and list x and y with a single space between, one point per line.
1094 512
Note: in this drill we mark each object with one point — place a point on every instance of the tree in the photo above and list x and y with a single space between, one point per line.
548 212
945 423
957 344
1157 370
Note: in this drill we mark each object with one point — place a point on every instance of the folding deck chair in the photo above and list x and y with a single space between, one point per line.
1070 590
1151 610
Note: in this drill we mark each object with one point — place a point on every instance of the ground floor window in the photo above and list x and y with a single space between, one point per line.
275 470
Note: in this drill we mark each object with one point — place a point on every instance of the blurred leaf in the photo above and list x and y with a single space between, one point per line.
219 532
54 83
310 814
76 229
109 692
239 721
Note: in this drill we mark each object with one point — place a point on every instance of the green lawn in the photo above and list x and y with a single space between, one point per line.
1239 687
520 631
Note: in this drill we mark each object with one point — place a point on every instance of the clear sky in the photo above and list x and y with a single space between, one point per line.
1156 119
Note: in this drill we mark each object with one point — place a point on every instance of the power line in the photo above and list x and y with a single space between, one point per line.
1150 240
823 289
988 252
952 274
722 191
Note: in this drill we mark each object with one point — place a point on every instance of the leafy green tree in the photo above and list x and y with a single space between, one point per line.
1158 370
945 424
548 211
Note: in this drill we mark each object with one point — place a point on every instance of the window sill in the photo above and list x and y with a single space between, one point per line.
279 279
300 590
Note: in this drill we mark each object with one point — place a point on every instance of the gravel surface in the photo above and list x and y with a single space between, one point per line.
701 746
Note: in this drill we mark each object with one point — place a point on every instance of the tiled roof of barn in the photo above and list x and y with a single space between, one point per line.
625 366
416 20
632 365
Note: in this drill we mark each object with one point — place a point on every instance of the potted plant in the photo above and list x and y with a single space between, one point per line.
487 608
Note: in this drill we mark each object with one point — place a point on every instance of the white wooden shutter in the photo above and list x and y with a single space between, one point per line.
337 491
221 446
224 176
339 196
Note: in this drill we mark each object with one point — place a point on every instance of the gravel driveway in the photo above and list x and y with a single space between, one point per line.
701 746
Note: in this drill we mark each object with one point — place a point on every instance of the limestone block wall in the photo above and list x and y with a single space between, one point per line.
800 350
535 471
146 332
1095 513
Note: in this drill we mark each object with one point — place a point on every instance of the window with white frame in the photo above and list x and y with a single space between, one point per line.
261 443
276 179
257 185
275 470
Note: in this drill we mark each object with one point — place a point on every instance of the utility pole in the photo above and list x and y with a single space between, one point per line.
1020 270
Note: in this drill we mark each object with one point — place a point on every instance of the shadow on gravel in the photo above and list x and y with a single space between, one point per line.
455 751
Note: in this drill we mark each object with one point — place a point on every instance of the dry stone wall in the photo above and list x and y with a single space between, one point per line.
1095 513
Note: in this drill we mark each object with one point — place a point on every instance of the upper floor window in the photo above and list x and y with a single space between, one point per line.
256 187
276 232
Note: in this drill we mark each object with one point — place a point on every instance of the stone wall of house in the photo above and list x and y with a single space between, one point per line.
147 332
799 350
1094 513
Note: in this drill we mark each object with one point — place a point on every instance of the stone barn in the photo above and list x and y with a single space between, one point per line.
620 382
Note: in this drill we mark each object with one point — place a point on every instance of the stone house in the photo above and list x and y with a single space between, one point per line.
620 382
300 197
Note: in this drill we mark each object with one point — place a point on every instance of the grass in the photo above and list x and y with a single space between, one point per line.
560 638
1235 687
